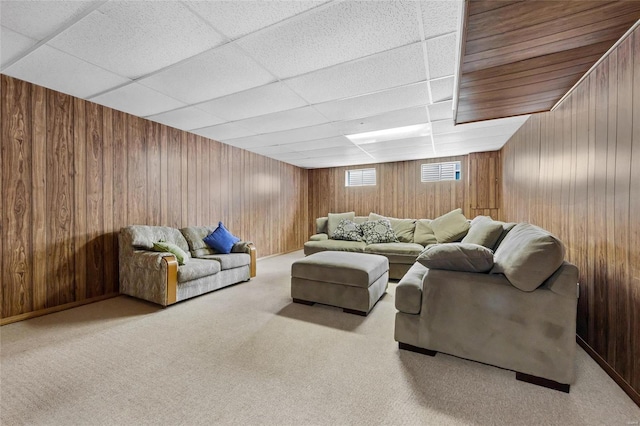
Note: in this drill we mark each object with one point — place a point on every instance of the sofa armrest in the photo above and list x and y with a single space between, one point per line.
149 275
409 290
319 237
250 249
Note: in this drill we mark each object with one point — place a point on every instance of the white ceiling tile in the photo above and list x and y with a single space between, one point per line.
341 32
118 36
400 118
415 153
13 45
253 102
225 131
39 19
284 120
442 89
440 17
271 150
393 68
212 74
441 55
338 141
289 136
339 151
237 18
375 103
399 145
441 111
59 71
138 100
186 118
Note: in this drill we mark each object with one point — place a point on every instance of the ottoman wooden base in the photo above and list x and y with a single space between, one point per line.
355 288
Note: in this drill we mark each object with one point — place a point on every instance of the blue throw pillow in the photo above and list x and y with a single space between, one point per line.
221 240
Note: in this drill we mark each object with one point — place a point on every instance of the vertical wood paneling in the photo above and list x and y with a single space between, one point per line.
16 184
588 193
399 192
73 173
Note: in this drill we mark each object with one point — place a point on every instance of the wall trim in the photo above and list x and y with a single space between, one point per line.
46 311
626 387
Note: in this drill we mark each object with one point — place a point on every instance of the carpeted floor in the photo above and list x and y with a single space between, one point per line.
247 355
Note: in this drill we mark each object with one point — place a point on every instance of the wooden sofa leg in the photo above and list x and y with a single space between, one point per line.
540 381
252 265
408 347
172 279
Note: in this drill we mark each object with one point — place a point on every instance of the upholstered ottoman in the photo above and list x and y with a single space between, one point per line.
352 281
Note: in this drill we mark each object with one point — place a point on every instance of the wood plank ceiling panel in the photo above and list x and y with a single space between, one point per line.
521 57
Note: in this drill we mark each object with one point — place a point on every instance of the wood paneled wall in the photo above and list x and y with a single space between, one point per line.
399 192
74 173
576 172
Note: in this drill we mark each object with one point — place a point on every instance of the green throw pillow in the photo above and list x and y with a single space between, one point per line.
424 233
378 231
163 246
450 227
485 233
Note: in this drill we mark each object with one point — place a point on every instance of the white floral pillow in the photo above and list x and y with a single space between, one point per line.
378 231
348 230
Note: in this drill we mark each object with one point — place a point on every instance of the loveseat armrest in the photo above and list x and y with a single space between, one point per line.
148 275
409 290
249 248
319 237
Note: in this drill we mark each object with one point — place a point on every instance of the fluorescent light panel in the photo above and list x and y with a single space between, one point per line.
390 134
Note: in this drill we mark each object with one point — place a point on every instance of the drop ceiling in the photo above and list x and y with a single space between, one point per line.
284 79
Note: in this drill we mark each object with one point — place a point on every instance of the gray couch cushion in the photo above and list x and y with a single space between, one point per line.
404 253
484 233
143 236
457 257
321 225
450 227
194 236
423 233
334 220
311 247
352 269
197 268
404 228
527 256
231 260
409 290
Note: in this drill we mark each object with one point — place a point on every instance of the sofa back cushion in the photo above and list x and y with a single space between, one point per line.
404 228
334 220
450 227
484 233
423 233
527 256
194 235
144 236
321 225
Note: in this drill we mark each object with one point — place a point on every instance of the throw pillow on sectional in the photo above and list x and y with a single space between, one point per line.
450 227
221 240
348 230
457 257
378 231
404 228
485 233
424 233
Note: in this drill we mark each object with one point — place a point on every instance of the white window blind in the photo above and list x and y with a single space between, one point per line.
436 172
360 177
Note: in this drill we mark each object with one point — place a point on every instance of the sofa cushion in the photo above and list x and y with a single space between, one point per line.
378 231
527 256
229 261
143 236
197 268
348 230
311 247
450 227
404 228
335 218
221 240
350 269
457 257
321 225
409 290
162 246
194 235
484 233
506 227
423 233
397 253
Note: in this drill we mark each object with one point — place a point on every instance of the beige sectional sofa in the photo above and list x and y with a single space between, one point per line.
413 236
157 277
517 312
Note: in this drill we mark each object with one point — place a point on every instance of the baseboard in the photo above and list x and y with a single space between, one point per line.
626 387
46 311
277 254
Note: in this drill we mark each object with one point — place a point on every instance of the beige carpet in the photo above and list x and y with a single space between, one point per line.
247 355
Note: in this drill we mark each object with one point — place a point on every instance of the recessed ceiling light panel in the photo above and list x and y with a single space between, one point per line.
391 134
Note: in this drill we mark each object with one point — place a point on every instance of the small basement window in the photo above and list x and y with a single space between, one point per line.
436 172
360 177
